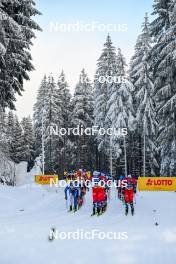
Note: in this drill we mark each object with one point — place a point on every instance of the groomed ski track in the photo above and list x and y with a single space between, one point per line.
28 212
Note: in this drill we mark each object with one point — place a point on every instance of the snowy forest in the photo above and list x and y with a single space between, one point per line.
144 102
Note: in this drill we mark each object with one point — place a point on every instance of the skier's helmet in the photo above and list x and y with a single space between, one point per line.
121 177
76 183
129 176
96 174
71 185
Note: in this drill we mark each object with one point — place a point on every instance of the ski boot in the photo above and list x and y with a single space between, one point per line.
94 212
105 207
132 211
75 209
102 209
98 211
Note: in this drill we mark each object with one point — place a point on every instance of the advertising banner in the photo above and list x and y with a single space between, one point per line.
157 184
45 179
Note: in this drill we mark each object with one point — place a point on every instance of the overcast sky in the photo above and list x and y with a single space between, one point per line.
54 50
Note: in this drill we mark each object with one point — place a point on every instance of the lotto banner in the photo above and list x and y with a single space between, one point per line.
45 179
157 184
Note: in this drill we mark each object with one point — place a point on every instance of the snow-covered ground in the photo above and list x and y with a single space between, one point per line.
28 212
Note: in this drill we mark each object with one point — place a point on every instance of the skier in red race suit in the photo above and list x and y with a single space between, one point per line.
102 200
129 194
99 199
120 189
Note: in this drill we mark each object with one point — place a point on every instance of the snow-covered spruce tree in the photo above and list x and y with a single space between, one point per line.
142 77
120 109
143 44
3 39
10 124
136 137
146 112
39 108
163 61
65 105
3 133
53 118
65 98
82 116
28 134
18 149
10 131
48 105
106 70
17 32
7 167
120 64
162 9
9 29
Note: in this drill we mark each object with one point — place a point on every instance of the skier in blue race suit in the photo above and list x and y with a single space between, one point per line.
71 195
75 193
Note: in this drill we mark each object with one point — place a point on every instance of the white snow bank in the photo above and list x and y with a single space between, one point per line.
7 170
21 172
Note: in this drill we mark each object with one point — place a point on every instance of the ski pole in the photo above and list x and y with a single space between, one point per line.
66 204
135 199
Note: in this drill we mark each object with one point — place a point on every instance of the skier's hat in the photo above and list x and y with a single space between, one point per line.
96 174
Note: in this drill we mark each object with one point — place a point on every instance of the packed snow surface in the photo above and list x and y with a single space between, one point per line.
28 212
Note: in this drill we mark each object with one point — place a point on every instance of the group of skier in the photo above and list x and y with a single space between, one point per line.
100 192
74 196
76 189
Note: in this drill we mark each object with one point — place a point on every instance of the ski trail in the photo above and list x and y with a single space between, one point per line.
25 233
